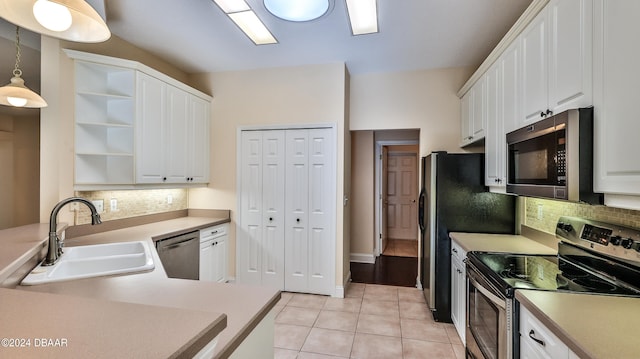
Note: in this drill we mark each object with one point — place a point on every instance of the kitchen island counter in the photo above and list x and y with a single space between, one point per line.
243 307
592 326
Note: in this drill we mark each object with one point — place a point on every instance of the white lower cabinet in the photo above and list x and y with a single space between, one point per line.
458 289
286 235
538 342
213 253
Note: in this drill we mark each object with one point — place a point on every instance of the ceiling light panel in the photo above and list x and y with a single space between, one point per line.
231 6
296 10
251 25
363 15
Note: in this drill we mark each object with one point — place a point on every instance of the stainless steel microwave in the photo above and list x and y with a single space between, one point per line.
553 158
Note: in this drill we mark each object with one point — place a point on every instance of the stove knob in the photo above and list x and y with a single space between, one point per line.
615 240
567 227
627 243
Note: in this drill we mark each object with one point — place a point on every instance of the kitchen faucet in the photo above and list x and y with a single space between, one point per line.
55 249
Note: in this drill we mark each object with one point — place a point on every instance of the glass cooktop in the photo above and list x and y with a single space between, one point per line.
512 271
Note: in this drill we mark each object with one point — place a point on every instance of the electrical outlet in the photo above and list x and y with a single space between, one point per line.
113 204
99 204
169 199
540 272
540 212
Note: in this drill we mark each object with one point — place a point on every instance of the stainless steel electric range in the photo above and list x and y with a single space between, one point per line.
593 258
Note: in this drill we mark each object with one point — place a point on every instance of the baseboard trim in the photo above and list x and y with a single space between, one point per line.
341 290
363 258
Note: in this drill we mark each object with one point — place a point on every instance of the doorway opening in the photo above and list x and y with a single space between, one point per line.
385 189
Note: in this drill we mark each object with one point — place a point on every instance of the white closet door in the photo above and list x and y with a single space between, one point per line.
249 250
296 207
273 188
322 211
310 207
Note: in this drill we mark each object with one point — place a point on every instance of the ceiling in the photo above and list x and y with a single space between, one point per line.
196 36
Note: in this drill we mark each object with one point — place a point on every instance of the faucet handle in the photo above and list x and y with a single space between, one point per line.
60 243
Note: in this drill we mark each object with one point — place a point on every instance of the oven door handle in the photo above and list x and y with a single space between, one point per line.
494 298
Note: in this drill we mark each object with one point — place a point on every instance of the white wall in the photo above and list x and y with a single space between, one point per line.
424 100
280 96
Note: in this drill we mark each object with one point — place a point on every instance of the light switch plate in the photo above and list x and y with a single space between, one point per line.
113 204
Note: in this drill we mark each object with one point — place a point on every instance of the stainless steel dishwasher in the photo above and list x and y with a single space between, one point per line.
180 255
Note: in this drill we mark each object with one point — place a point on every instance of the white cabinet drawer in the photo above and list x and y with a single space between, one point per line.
213 232
537 337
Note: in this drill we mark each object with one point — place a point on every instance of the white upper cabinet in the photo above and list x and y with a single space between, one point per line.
503 108
616 79
557 60
136 126
150 131
535 69
570 54
474 116
511 85
494 134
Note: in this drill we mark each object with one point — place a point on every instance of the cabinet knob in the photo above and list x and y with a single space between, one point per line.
270 219
164 178
298 220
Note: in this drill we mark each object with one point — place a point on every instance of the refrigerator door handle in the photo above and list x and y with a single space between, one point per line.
421 209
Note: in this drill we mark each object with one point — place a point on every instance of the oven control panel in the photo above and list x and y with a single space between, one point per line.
610 239
596 234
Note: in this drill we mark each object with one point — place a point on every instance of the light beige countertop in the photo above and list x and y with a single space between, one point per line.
243 306
38 325
592 326
500 243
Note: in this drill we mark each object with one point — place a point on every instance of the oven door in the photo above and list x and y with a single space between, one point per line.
489 332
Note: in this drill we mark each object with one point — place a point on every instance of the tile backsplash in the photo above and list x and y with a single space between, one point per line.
543 214
133 203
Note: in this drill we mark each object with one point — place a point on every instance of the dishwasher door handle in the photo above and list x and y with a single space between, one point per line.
178 244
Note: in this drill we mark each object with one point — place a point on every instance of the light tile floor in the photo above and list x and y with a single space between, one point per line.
373 321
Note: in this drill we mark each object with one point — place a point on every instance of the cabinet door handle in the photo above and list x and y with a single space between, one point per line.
542 114
549 112
214 232
454 250
532 336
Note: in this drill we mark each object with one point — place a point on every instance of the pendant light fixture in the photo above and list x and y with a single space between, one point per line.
73 20
15 93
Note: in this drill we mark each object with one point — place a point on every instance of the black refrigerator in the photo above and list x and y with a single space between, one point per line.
454 199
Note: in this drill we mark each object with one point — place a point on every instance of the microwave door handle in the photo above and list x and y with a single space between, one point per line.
492 297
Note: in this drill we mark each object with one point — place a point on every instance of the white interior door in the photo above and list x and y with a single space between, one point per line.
384 157
273 188
249 252
401 195
322 211
297 205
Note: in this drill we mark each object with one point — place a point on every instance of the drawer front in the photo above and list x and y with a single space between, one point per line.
537 337
213 232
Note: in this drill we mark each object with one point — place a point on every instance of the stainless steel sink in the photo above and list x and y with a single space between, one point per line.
94 261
